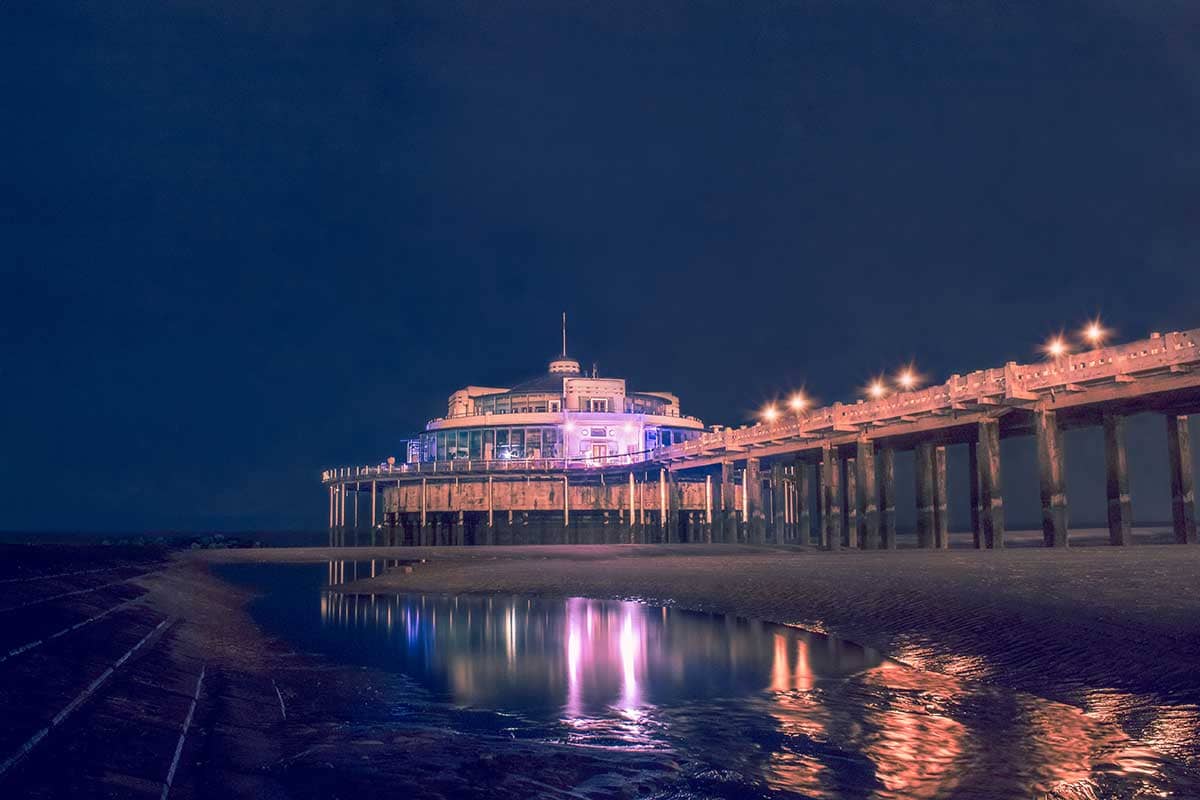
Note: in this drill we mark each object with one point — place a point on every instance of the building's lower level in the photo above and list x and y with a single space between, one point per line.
647 505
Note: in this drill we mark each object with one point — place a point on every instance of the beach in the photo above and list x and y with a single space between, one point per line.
1113 631
1110 632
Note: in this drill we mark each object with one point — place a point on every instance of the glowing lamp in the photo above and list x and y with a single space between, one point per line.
1056 347
770 413
798 402
907 379
876 390
1094 333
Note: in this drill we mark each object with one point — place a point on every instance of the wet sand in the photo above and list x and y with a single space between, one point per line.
1114 631
100 710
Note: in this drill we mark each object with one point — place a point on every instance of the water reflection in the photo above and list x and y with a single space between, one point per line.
585 657
752 709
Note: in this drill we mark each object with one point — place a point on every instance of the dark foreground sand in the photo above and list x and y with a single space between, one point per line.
1113 631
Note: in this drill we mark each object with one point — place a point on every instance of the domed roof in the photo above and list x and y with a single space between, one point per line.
552 381
564 365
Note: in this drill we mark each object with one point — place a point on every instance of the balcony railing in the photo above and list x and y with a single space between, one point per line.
477 465
668 413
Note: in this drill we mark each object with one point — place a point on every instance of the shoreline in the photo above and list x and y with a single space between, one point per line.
1113 631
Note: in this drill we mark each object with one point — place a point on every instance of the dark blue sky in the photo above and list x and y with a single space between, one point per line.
241 241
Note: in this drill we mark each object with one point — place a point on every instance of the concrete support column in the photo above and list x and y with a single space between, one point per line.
991 496
850 509
1051 479
941 504
426 538
1183 495
803 505
491 512
460 529
673 528
566 504
642 526
374 500
708 509
357 491
778 504
718 521
753 498
631 520
868 506
923 472
887 497
831 499
973 480
1120 509
729 520
332 506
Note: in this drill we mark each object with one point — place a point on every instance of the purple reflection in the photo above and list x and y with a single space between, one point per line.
630 696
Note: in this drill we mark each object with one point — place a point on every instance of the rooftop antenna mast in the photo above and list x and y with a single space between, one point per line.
564 350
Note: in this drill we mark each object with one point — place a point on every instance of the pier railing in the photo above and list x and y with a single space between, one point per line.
1173 352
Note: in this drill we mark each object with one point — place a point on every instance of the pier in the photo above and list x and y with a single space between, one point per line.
814 478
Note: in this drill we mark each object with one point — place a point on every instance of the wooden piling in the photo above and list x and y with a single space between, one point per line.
1183 498
1051 479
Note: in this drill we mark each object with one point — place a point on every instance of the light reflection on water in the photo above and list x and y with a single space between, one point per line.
771 706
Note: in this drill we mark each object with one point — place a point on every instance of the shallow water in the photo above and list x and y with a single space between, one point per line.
740 708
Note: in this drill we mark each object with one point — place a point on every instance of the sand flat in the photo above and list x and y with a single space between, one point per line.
1115 631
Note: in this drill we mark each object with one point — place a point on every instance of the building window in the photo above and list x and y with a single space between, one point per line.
554 405
598 405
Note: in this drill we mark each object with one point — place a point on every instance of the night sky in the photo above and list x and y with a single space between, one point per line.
242 241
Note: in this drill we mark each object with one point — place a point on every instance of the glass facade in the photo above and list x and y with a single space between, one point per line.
516 403
543 441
